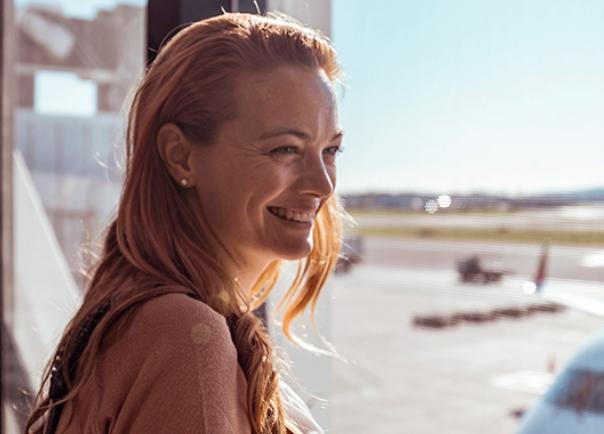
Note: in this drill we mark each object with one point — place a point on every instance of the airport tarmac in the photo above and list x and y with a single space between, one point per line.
566 262
469 378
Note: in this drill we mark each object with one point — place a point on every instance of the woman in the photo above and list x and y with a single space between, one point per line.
231 146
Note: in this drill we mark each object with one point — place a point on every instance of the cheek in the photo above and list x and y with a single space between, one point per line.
218 200
276 178
331 171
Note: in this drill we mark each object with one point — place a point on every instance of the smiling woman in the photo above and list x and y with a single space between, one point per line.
231 168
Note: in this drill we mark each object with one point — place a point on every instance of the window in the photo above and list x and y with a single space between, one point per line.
579 390
73 64
473 167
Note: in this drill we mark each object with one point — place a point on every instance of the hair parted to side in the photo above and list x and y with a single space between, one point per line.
157 239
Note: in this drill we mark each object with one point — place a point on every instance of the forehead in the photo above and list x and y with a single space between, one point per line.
288 96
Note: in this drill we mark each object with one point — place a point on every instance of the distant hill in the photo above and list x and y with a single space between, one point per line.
594 194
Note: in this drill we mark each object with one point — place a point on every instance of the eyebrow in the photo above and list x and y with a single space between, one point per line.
293 132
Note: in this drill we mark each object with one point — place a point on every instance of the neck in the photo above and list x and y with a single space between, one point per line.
245 274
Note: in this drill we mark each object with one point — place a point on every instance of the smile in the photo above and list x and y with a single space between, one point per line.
287 214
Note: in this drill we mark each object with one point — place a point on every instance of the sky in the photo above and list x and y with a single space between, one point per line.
471 95
447 97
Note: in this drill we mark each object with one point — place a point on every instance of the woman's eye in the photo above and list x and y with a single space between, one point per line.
333 150
285 150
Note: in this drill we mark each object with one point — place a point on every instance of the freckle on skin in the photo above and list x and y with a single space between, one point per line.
201 333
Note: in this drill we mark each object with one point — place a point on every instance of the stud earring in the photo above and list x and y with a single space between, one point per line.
184 182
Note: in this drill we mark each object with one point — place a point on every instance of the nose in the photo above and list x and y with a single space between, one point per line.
317 178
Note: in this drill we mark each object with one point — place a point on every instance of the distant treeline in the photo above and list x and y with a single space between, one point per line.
414 201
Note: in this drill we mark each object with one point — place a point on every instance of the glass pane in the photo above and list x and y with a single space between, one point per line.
473 167
579 390
74 65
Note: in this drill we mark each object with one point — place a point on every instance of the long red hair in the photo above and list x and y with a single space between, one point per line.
156 237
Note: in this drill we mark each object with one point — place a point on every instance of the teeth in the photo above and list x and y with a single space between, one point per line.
305 217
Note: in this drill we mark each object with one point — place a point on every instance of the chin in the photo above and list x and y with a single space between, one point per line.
294 253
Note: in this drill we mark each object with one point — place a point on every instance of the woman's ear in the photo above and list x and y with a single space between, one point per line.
175 149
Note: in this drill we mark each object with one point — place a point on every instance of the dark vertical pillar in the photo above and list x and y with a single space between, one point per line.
166 17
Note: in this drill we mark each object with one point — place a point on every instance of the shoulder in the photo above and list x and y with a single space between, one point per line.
169 310
176 319
174 366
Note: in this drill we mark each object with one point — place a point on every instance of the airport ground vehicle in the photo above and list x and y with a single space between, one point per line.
474 270
351 253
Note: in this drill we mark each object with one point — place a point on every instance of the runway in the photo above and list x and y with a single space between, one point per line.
566 262
464 379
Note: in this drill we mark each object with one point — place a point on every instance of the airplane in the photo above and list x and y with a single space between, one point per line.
574 403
